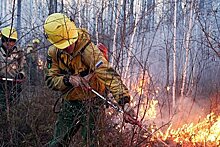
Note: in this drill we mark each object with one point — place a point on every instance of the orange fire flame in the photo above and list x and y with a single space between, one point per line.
206 132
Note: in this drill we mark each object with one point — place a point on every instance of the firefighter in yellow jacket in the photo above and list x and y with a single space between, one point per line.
11 67
73 63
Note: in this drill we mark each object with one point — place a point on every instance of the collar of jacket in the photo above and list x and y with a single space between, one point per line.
83 39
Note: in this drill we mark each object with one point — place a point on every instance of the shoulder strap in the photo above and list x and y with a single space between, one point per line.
83 49
81 52
58 56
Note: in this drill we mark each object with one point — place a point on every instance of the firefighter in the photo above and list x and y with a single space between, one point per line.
74 63
11 68
32 62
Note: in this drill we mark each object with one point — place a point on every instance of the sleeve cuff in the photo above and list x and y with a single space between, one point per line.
66 81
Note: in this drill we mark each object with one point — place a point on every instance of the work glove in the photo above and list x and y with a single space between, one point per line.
78 81
19 76
129 113
123 100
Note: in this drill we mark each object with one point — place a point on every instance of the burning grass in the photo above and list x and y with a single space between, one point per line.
204 133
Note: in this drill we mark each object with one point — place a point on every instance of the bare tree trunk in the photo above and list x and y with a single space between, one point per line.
187 42
168 52
122 54
1 10
96 27
174 54
62 5
51 7
19 17
131 20
79 7
86 14
4 8
130 48
55 6
118 9
109 15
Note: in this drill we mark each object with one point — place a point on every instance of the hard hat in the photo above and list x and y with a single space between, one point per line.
60 30
10 32
36 41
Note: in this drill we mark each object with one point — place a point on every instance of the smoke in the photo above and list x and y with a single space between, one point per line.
187 111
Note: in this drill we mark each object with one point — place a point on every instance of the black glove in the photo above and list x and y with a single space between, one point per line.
20 76
66 80
123 100
75 81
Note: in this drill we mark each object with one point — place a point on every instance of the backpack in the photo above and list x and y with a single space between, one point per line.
100 46
103 49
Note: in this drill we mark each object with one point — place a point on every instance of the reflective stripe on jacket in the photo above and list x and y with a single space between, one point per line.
90 59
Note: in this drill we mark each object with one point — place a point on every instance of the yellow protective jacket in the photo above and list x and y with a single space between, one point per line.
60 64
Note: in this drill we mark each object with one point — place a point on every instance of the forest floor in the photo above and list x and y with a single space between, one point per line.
32 123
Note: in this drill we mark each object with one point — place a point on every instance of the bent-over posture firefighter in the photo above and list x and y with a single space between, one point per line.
11 68
74 63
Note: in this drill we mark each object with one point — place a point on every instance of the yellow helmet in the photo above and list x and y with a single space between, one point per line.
10 32
36 41
60 30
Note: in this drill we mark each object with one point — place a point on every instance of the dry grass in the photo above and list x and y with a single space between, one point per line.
32 124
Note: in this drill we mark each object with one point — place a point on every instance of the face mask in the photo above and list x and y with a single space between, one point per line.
70 48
